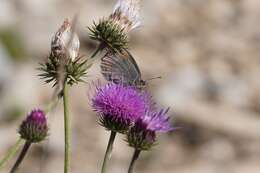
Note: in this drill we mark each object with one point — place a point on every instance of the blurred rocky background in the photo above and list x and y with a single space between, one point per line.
207 52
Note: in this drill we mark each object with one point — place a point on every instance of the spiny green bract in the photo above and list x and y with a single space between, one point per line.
74 71
109 34
119 126
140 140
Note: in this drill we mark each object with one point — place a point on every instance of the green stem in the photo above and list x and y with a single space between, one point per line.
100 47
11 153
108 151
66 129
133 161
53 103
21 157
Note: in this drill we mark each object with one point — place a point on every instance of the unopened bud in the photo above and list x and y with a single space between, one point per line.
34 128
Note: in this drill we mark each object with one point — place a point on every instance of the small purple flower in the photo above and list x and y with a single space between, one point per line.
157 121
119 106
34 128
142 135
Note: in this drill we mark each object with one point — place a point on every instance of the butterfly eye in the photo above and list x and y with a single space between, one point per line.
116 81
56 48
143 84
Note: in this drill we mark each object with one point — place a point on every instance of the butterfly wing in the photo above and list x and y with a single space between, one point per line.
138 82
120 68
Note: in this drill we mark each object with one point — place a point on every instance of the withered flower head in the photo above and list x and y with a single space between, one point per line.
65 41
112 31
64 63
126 14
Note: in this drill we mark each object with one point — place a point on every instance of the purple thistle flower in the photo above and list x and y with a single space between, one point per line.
119 106
157 121
34 128
142 135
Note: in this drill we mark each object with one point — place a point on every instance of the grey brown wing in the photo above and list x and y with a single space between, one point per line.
138 82
132 60
119 68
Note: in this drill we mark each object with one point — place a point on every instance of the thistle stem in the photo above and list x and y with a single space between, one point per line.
133 161
66 129
53 103
11 153
21 157
108 151
100 47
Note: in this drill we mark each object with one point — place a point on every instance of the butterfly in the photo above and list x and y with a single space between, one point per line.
121 68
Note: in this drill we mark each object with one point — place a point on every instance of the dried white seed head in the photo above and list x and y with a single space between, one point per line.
126 14
65 41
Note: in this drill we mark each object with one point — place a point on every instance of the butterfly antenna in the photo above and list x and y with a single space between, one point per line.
158 77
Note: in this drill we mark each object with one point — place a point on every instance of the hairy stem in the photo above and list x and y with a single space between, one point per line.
21 157
66 129
108 151
11 153
133 161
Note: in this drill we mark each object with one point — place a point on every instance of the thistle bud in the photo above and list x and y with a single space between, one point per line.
65 42
34 128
